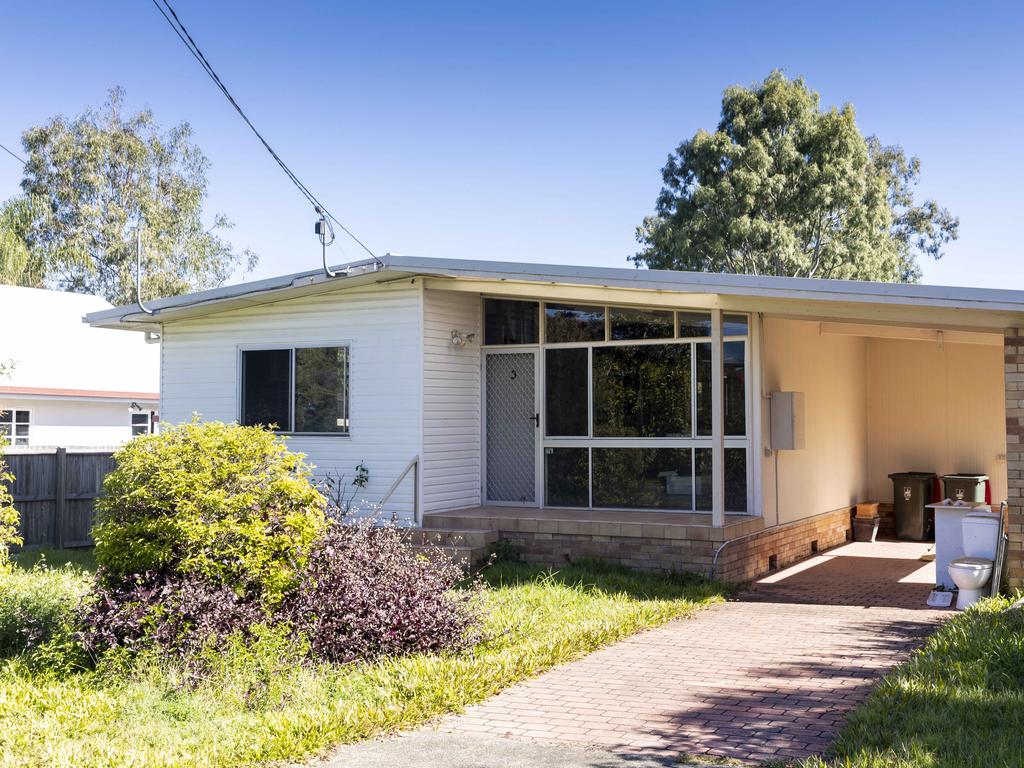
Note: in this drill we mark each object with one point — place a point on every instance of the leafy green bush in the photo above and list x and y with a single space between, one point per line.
9 518
38 605
220 502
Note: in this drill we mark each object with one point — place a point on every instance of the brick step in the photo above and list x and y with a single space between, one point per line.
460 554
472 538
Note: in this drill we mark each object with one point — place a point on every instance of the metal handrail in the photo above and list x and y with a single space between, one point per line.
414 464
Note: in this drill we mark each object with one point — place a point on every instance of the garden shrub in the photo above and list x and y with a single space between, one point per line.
222 503
9 518
37 605
172 615
365 593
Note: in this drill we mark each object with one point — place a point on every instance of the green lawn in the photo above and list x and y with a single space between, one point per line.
958 703
262 706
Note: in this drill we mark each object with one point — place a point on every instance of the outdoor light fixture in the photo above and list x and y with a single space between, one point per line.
462 339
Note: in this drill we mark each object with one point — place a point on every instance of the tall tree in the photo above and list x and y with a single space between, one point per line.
785 188
20 264
102 176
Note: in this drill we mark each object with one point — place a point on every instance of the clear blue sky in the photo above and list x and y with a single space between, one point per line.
525 131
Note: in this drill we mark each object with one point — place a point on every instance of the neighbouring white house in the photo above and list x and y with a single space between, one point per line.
643 416
71 385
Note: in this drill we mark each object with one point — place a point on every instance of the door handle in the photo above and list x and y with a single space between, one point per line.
536 420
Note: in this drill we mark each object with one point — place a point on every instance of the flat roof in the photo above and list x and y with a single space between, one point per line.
391 267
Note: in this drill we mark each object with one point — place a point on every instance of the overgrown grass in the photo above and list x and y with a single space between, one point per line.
958 703
76 559
262 705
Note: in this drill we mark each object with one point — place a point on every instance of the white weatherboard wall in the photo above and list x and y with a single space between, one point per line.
831 471
451 401
381 326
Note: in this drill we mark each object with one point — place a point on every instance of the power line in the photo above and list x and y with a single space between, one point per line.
20 160
183 34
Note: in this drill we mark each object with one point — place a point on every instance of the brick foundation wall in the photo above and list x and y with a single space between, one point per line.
1013 357
750 558
742 561
641 553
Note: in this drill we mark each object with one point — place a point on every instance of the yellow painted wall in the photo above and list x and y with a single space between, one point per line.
832 470
935 409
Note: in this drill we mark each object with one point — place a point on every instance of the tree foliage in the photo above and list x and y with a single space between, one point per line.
10 520
20 264
785 188
97 179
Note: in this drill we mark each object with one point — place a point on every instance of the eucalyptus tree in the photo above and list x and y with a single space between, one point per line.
101 177
783 187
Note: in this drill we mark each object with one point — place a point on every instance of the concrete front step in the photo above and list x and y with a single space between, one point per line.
456 537
462 545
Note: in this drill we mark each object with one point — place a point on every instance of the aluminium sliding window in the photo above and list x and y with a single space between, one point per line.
302 390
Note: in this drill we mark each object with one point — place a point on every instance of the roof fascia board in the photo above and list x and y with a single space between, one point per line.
297 287
789 308
748 285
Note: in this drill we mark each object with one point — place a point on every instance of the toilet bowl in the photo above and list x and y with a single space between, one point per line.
971 572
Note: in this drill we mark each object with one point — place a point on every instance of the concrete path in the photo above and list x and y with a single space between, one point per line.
769 676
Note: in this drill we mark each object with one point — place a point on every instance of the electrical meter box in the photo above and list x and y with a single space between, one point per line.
787 427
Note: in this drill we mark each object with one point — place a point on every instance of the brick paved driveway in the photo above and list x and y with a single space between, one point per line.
769 675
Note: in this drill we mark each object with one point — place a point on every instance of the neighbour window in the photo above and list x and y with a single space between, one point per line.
301 389
14 426
142 424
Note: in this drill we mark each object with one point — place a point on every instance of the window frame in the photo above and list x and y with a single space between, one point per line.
13 437
590 441
291 347
148 425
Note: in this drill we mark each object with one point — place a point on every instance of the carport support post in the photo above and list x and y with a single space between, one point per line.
1013 375
717 423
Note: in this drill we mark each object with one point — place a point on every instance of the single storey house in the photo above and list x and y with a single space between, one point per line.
69 385
661 419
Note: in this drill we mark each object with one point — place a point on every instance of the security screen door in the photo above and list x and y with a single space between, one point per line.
512 426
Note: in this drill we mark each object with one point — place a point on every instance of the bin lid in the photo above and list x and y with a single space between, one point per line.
966 476
911 475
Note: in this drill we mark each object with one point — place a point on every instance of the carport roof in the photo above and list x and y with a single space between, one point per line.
1008 304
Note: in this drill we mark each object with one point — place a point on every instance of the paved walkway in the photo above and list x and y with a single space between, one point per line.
770 675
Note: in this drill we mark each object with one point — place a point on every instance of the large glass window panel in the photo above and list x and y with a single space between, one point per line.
573 323
629 324
734 388
734 385
565 378
694 324
266 375
702 479
735 471
511 322
567 477
321 389
644 478
735 479
642 391
703 388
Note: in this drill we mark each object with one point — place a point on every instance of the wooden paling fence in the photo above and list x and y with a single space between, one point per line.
55 492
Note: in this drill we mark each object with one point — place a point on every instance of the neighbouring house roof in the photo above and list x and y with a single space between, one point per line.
52 350
56 393
1003 308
